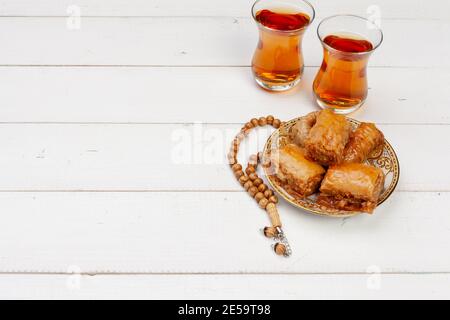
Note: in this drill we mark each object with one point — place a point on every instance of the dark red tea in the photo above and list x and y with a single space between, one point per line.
282 21
342 80
348 44
278 59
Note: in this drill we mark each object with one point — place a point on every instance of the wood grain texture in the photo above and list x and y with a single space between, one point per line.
411 9
198 233
173 157
252 287
188 41
89 177
171 94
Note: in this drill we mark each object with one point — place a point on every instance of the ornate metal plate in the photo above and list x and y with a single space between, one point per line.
385 159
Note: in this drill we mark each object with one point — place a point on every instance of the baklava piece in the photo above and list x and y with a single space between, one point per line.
295 172
300 131
327 139
363 141
352 187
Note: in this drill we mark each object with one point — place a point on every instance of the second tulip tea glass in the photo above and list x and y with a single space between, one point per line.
278 60
348 42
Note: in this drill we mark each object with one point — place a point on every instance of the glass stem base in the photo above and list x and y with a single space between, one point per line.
278 87
339 109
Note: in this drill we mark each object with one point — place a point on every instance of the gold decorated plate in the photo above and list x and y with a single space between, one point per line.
385 159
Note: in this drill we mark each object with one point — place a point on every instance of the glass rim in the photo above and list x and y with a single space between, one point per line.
375 27
285 31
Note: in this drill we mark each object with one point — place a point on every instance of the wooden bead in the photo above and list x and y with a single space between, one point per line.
239 174
270 119
262 121
276 123
270 232
262 187
249 125
253 160
248 185
273 199
280 249
257 182
253 176
231 159
236 167
250 170
244 179
240 136
259 196
268 193
252 191
263 202
255 122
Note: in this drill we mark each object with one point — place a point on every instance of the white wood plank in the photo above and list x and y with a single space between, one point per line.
435 286
171 95
214 233
389 9
193 41
174 157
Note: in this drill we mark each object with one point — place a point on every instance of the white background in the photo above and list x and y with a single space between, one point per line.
94 206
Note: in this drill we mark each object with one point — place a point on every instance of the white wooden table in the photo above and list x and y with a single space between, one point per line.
94 205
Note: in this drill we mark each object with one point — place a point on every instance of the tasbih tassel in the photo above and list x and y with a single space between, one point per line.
256 187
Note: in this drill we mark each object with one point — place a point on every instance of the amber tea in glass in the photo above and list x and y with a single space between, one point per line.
348 41
278 61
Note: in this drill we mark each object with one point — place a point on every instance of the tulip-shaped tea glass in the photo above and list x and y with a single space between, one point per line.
348 42
278 61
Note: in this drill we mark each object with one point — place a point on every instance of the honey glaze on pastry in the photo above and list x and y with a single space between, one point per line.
300 130
351 187
327 138
363 141
295 172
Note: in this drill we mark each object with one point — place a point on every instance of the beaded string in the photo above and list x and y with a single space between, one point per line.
256 187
